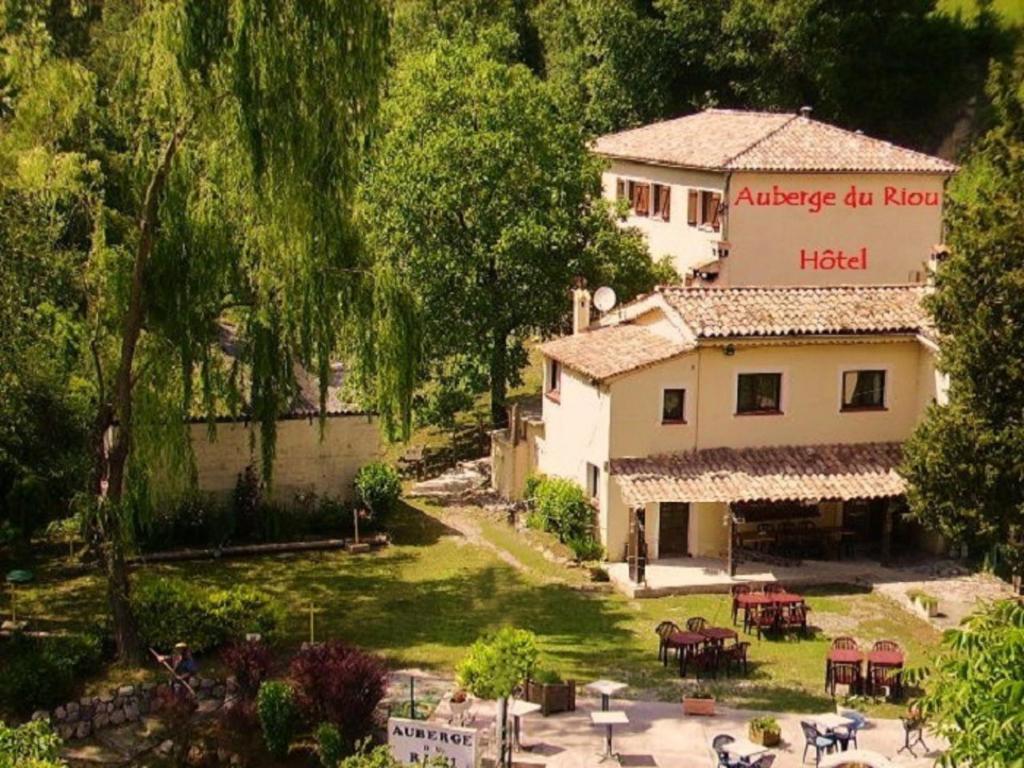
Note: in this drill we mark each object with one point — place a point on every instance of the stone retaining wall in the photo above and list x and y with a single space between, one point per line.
81 718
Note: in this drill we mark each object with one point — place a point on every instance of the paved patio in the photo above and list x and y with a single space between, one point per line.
692 575
659 735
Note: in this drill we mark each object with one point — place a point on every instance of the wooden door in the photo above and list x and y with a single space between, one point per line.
674 530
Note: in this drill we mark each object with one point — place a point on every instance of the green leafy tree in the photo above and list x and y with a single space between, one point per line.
494 668
483 203
210 153
975 689
964 462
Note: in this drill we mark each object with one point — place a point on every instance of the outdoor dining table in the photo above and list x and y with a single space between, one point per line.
609 720
518 710
743 749
885 659
684 642
753 600
607 689
841 656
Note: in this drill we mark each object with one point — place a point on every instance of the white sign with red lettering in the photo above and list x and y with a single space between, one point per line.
413 741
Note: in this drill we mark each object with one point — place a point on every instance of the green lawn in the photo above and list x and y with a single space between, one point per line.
422 601
1010 11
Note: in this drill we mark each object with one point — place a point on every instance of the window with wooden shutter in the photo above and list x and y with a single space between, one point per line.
642 200
716 210
620 188
662 197
691 208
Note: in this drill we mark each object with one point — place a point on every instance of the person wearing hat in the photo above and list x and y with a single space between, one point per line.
182 661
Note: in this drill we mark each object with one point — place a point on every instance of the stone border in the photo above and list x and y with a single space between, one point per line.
83 717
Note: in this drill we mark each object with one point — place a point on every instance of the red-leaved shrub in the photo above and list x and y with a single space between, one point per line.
249 662
339 684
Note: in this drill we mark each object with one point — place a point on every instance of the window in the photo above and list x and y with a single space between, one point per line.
640 198
554 390
710 209
692 199
662 201
759 393
593 480
863 390
620 188
673 406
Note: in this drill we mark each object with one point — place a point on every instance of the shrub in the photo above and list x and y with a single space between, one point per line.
339 684
378 487
41 672
173 610
279 717
246 502
249 662
32 744
329 746
497 664
546 676
561 507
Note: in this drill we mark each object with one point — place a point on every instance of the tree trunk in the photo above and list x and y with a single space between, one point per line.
499 378
116 415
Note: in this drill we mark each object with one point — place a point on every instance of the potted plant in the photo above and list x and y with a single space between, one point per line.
765 731
547 688
459 705
925 604
700 701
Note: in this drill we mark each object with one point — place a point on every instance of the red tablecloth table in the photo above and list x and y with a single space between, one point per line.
841 656
687 643
769 599
718 635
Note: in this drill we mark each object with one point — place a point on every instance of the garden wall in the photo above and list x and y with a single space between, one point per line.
304 462
81 718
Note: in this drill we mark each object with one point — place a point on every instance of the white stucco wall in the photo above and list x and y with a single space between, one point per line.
303 463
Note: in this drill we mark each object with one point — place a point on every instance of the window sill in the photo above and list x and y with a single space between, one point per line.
554 396
862 408
758 413
673 422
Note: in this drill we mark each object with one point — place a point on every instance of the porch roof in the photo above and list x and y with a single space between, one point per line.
779 473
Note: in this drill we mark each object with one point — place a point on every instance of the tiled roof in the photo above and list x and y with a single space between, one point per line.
605 352
730 140
799 310
787 473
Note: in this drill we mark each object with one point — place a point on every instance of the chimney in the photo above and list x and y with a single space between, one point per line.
580 309
805 111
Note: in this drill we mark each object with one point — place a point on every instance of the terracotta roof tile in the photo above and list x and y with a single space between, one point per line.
799 310
729 140
787 473
606 352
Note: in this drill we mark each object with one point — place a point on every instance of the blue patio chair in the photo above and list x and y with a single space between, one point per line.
859 721
821 743
721 756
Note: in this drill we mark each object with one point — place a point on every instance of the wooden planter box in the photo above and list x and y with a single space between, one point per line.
552 697
704 707
765 738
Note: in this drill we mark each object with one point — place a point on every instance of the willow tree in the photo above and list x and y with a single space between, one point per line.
217 165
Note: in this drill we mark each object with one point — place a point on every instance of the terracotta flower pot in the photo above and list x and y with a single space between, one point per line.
704 707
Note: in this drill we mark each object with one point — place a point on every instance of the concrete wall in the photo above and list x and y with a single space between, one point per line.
688 246
767 240
304 462
514 460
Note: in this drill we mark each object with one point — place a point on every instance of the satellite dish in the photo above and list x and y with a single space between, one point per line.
604 298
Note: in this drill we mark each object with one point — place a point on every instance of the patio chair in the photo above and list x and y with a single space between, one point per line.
664 630
765 761
735 654
890 678
696 624
885 645
859 722
841 673
766 620
720 756
737 590
795 617
704 659
821 743
845 644
774 588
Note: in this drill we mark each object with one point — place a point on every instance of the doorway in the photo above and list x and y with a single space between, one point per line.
674 529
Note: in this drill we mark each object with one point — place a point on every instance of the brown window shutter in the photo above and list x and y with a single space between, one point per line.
620 188
716 209
691 208
666 200
643 200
